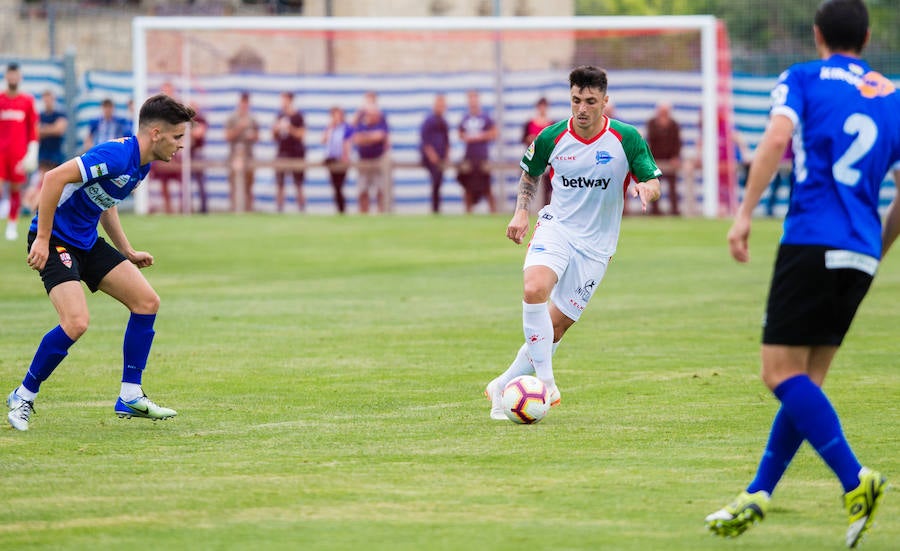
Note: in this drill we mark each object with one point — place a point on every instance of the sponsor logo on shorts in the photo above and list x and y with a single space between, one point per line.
64 256
547 216
537 248
534 337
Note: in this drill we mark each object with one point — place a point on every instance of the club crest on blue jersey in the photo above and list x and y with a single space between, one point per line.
603 157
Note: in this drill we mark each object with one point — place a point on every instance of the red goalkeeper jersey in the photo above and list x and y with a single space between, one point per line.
18 123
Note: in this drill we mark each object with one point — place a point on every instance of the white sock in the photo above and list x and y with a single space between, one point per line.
130 391
520 366
25 394
538 329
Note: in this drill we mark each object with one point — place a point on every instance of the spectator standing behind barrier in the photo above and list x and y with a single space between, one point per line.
372 145
166 172
52 126
199 126
370 101
477 131
532 128
241 133
336 139
435 136
288 134
107 127
664 139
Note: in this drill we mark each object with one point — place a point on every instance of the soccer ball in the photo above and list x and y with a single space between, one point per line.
526 400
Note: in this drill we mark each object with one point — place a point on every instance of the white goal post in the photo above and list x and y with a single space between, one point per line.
704 25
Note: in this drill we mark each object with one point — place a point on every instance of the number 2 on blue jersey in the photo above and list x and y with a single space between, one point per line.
866 132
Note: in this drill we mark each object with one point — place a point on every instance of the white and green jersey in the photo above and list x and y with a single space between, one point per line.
590 178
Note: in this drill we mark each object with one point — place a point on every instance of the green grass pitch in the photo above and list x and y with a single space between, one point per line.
328 372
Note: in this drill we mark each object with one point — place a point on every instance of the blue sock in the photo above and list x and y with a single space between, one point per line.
53 348
784 441
136 348
814 417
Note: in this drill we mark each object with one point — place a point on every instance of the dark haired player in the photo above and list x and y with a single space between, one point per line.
593 159
843 119
64 247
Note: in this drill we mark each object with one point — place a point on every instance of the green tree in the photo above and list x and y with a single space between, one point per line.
767 35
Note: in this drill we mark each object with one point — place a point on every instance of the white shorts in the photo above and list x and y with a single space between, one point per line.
578 275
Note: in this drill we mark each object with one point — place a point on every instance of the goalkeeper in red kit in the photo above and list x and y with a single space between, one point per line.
18 145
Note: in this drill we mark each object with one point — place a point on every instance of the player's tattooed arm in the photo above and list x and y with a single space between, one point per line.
518 226
528 186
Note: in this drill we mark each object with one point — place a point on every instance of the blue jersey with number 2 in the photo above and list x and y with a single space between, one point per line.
109 173
846 137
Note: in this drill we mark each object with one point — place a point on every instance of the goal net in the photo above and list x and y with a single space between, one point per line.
511 62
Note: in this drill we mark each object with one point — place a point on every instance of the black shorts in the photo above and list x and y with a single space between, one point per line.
812 301
68 263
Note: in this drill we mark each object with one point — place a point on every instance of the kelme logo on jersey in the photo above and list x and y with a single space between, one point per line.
603 157
64 256
99 170
582 182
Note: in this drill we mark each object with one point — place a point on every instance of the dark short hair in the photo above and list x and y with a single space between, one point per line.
12 66
588 76
288 94
107 103
843 24
164 108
